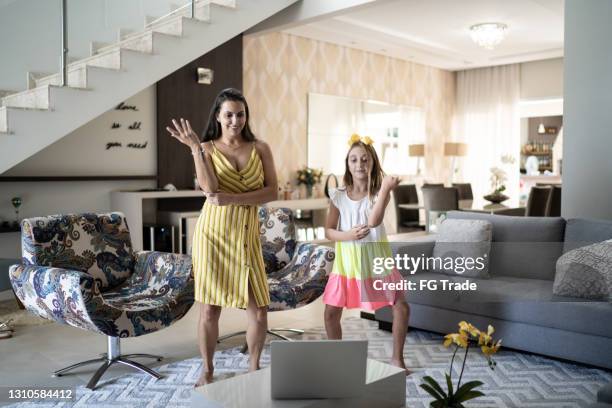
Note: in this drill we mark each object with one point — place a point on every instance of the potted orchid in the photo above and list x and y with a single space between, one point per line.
455 396
498 179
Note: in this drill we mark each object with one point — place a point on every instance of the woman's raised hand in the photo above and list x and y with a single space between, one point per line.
183 132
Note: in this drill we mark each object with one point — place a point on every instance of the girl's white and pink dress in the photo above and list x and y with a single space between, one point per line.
352 280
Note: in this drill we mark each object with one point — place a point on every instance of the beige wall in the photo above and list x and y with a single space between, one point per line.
542 79
281 69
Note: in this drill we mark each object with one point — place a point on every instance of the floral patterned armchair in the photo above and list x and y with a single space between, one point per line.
80 270
297 271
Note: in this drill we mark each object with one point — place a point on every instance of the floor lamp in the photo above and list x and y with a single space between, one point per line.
418 151
454 150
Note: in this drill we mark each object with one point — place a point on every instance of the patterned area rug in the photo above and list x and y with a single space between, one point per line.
519 380
19 317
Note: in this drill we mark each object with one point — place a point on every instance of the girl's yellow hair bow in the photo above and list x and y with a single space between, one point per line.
355 138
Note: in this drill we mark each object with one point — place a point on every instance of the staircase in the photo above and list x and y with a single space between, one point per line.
37 117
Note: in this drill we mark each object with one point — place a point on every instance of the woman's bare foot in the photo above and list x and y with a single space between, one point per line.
401 364
206 377
253 368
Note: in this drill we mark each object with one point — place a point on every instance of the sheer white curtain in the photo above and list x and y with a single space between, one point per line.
487 119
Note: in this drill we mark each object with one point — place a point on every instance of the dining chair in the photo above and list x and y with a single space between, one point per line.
553 209
537 203
464 190
406 194
439 200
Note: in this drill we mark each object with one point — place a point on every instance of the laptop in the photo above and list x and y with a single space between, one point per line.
318 368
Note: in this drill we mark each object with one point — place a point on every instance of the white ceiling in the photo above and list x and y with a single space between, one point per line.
436 32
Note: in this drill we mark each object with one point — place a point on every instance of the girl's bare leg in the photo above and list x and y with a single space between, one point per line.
401 313
332 316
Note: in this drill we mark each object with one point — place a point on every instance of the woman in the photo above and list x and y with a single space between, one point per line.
236 172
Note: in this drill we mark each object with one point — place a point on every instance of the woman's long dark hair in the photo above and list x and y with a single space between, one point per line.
213 128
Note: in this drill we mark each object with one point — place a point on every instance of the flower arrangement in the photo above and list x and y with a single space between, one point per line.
498 179
454 397
309 176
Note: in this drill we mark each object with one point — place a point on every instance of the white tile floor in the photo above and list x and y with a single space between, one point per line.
34 352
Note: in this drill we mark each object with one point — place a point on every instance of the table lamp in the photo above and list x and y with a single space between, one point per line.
454 150
418 151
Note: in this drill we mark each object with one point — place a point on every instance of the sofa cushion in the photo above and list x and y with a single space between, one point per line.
580 232
522 247
428 295
585 272
464 244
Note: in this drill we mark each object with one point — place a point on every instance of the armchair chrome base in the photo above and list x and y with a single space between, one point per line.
112 356
272 332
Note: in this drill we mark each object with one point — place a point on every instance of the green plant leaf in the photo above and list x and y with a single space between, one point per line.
432 392
434 384
449 384
465 388
470 395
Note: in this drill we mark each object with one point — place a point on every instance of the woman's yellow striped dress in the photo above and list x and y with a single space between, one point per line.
226 250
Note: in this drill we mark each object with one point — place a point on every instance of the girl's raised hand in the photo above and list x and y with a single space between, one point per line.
390 182
359 231
184 133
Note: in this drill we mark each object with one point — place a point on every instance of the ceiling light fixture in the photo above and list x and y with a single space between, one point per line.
488 35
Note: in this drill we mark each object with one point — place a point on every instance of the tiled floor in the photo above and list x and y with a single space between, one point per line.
34 352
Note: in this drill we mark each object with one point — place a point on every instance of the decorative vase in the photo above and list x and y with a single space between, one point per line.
496 197
308 190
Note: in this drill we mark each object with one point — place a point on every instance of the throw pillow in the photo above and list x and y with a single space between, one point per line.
462 248
585 272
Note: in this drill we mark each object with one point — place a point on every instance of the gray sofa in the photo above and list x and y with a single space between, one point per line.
517 299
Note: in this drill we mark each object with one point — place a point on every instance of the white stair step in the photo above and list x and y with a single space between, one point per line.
108 59
202 12
5 92
96 46
76 78
3 119
123 33
170 25
37 98
31 78
224 3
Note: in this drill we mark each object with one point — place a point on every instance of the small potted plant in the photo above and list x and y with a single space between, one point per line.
456 395
309 177
498 178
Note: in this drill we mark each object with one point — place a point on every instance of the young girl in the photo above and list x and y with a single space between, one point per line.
355 224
